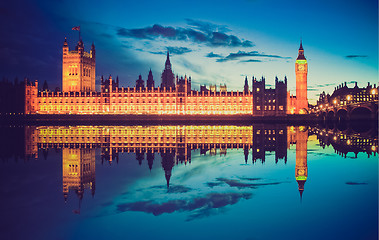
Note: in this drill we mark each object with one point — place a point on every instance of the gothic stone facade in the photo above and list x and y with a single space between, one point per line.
174 96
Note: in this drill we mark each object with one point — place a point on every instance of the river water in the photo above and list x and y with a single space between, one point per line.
188 182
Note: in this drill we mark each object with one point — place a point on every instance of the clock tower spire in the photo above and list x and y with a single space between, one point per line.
301 70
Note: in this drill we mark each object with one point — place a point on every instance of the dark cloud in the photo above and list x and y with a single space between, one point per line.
356 56
320 154
174 188
213 55
213 184
251 60
199 32
242 54
356 183
238 184
199 207
251 179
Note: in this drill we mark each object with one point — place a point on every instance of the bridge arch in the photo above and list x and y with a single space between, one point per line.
323 116
330 116
360 113
342 115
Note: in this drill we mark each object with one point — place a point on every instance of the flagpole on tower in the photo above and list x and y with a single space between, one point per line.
77 28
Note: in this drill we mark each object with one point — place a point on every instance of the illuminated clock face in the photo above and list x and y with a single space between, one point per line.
301 171
301 67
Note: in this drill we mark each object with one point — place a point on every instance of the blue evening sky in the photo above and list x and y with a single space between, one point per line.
214 42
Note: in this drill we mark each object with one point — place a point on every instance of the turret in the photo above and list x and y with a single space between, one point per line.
110 83
168 78
140 84
93 51
246 86
301 56
80 47
168 63
65 47
150 80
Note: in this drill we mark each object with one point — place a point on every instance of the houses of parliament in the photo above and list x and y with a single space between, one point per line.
174 96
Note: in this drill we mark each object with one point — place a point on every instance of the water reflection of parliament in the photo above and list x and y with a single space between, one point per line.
174 144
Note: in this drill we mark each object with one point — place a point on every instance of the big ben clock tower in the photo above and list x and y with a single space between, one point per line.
301 70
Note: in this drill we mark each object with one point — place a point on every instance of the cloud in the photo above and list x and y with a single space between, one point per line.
250 60
251 179
190 66
242 54
198 32
213 184
322 85
178 50
207 27
174 188
174 50
240 185
200 207
235 183
213 55
356 183
355 56
316 86
313 89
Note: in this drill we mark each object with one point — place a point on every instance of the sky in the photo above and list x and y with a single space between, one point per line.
214 42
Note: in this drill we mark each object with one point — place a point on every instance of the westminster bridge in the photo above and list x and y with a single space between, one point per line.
348 104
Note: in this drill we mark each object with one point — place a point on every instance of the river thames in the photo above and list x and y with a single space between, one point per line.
188 182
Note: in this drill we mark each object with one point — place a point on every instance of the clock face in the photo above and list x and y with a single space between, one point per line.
300 171
301 67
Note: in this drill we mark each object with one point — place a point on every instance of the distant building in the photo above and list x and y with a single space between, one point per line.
343 95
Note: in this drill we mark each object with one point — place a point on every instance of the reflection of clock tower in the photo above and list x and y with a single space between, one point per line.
301 70
301 169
